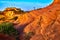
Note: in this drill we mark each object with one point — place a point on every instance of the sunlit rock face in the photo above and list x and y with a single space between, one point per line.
46 23
39 24
57 1
10 12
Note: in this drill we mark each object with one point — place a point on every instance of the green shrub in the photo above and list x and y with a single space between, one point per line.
7 28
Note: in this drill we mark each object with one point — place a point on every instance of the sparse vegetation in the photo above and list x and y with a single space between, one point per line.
7 28
28 35
38 24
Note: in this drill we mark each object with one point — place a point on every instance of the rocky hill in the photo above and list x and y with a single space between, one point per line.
39 24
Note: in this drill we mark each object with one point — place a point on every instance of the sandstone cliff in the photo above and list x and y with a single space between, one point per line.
39 24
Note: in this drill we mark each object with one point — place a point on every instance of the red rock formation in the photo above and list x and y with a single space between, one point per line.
40 24
46 23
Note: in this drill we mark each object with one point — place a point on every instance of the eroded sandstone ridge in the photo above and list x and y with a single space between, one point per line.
39 24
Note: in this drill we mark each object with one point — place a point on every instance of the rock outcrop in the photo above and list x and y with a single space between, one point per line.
46 23
39 24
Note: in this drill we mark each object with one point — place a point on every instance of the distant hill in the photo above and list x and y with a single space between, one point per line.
10 13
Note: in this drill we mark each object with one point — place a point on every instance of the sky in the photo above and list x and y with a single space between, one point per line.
25 5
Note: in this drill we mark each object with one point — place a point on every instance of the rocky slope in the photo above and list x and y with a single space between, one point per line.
45 24
39 24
